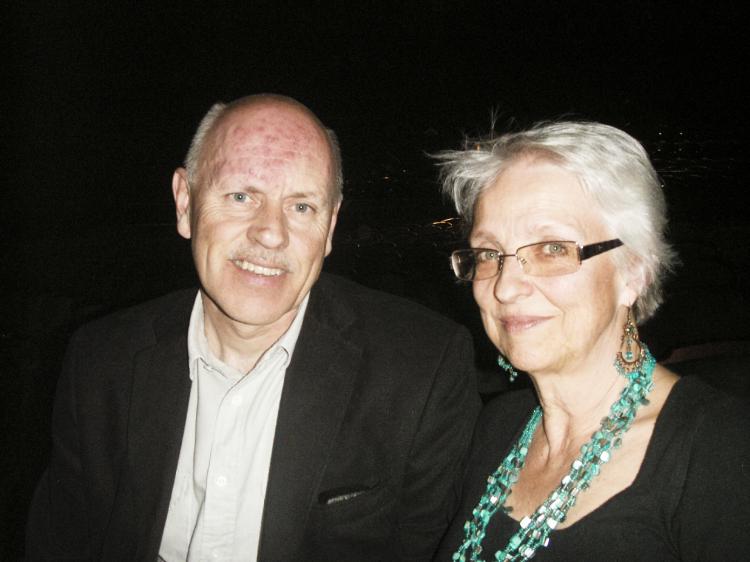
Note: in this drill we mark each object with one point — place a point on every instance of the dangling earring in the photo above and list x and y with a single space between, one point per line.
631 354
507 367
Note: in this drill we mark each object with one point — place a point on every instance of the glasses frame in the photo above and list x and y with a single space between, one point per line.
584 253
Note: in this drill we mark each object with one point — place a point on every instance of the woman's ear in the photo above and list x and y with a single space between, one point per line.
635 280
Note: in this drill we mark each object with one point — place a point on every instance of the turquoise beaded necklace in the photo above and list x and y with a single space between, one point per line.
535 529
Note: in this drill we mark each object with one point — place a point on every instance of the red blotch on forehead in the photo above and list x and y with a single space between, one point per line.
279 122
263 144
283 134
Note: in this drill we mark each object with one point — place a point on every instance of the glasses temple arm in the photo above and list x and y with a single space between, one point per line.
595 249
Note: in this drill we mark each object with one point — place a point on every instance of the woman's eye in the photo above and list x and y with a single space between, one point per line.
239 197
555 249
486 255
302 207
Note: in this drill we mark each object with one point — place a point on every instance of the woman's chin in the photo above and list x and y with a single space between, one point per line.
529 362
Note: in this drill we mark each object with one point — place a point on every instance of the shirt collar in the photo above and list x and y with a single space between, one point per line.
198 343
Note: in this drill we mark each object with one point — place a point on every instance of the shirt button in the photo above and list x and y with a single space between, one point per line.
221 481
236 400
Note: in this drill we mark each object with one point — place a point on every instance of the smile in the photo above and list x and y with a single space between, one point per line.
258 269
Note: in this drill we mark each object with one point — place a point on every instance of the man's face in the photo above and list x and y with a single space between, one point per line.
262 217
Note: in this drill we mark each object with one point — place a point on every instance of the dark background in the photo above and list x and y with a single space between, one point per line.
100 101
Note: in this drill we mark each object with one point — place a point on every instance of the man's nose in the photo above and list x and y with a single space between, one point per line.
269 228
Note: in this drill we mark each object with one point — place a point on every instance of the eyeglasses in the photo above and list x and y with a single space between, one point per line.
542 259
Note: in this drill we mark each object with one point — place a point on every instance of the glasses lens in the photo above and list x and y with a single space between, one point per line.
463 264
546 259
475 264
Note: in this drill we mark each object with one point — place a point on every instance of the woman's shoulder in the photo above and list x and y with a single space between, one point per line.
510 403
700 416
504 414
698 464
694 398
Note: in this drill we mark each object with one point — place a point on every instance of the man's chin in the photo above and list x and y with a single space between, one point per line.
251 310
258 316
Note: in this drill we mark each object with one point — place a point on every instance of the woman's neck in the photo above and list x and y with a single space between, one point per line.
574 404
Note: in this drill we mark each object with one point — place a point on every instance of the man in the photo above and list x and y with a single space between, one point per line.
280 413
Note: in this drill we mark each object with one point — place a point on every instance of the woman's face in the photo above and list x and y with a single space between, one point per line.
547 324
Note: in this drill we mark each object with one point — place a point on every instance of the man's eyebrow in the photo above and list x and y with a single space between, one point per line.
306 195
230 186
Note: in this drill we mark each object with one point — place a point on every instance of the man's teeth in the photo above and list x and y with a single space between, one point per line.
259 269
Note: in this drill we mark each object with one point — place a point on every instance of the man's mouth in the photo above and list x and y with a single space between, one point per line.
258 269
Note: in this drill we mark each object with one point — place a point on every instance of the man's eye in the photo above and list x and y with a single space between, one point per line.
302 208
486 255
239 197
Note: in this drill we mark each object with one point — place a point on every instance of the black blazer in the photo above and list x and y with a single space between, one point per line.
375 419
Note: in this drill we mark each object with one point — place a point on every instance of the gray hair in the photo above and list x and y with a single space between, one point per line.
613 169
219 110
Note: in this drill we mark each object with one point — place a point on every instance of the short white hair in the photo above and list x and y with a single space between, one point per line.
613 169
194 156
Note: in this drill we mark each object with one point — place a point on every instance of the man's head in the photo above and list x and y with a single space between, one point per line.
258 197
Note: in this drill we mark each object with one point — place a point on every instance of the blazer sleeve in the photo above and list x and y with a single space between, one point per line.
434 473
58 526
712 519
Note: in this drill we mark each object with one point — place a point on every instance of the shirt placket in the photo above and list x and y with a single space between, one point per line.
222 479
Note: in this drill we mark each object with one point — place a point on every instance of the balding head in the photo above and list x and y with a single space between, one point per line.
204 144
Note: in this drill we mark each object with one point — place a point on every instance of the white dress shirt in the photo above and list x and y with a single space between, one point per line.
220 486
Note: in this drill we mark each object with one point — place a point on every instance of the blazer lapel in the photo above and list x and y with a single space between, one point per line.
161 390
317 388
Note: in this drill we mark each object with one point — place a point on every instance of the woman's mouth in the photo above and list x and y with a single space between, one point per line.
518 324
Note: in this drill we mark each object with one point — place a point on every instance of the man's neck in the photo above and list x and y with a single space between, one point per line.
241 345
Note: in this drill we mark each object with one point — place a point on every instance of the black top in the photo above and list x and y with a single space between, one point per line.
689 501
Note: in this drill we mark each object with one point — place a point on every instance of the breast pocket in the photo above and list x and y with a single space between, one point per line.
356 509
353 523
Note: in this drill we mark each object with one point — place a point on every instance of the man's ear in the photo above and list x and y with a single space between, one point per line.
181 194
332 227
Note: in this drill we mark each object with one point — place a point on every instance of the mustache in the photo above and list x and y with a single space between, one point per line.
263 258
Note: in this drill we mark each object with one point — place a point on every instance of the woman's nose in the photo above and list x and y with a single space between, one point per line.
511 282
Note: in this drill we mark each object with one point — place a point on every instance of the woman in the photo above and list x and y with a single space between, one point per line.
611 456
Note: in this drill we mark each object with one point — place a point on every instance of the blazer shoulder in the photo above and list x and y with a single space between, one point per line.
142 323
378 310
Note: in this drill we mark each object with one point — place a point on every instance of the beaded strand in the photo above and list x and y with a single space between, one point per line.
535 529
